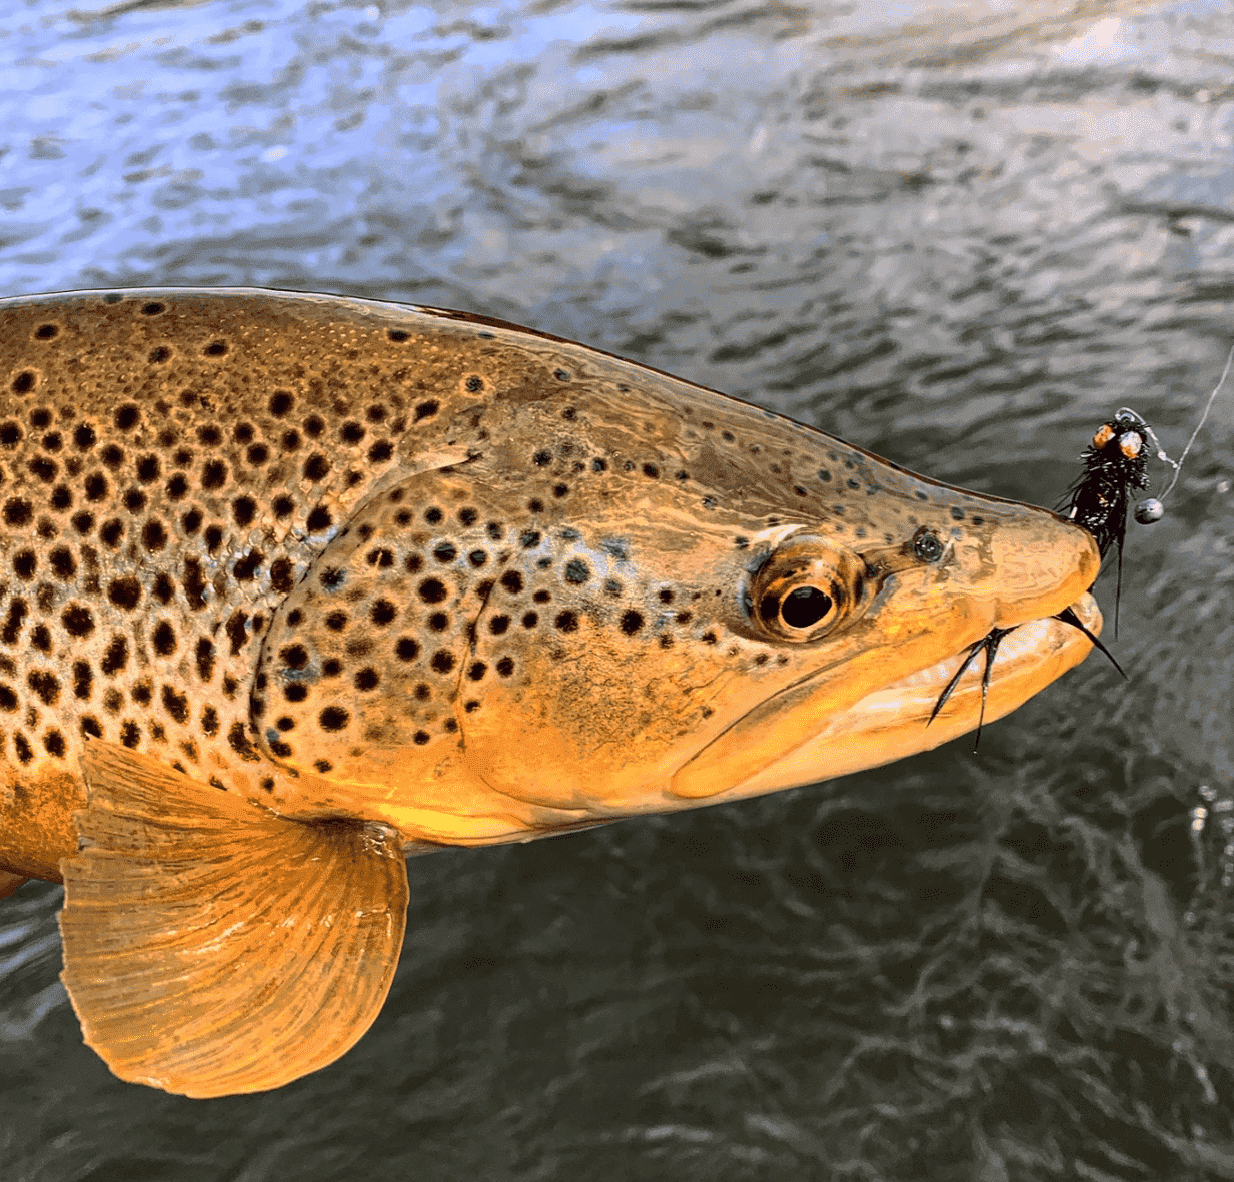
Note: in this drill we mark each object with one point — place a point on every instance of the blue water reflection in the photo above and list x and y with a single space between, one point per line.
956 233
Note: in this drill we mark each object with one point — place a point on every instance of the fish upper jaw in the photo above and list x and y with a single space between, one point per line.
1037 567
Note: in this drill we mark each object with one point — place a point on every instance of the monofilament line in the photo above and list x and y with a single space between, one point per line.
1178 467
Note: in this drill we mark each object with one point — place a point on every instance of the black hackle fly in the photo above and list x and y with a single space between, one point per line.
1115 466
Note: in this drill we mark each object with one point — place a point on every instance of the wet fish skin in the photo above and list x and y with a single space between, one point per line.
293 586
354 559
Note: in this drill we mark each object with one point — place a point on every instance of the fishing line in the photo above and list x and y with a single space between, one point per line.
1225 373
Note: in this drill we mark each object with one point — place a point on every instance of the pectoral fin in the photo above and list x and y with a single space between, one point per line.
212 947
10 882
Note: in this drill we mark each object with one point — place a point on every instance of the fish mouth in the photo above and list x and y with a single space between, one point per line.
906 717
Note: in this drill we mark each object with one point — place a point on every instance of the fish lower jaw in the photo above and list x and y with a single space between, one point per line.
895 721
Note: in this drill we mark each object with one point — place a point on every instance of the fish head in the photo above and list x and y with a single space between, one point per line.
632 595
795 619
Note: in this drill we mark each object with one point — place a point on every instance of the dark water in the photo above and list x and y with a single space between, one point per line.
958 234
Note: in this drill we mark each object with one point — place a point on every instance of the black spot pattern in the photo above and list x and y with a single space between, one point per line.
193 562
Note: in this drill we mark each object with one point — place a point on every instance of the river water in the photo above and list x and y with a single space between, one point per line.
959 234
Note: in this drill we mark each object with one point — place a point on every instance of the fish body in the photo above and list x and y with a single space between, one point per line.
457 582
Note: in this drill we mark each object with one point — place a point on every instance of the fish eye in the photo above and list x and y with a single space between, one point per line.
804 589
928 546
803 607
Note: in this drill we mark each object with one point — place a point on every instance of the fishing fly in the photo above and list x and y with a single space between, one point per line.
1115 468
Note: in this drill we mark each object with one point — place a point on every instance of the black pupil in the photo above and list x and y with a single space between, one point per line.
803 607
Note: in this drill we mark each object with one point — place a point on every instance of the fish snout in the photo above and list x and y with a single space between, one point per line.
1033 564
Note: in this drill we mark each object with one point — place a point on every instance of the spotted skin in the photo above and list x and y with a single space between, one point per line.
354 559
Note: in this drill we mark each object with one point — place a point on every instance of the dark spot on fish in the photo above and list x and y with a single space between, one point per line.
426 410
432 590
177 705
164 639
23 383
213 474
124 593
442 661
115 657
237 632
17 512
319 519
239 742
407 649
281 574
44 686
631 622
205 658
154 536
77 620
366 680
194 584
243 510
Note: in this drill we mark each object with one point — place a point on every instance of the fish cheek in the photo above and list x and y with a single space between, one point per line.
591 674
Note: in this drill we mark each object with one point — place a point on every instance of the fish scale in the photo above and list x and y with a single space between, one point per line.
184 496
405 578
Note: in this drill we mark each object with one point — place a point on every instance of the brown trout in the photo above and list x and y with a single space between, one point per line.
293 586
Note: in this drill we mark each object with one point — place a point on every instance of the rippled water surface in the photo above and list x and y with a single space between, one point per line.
959 234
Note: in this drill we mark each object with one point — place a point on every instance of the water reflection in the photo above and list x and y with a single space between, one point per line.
957 233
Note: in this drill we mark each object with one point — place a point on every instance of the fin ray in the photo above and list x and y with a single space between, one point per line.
212 947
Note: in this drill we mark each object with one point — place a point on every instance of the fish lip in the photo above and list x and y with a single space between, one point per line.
894 721
1028 648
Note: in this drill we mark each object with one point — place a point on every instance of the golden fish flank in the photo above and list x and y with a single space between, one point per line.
454 580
